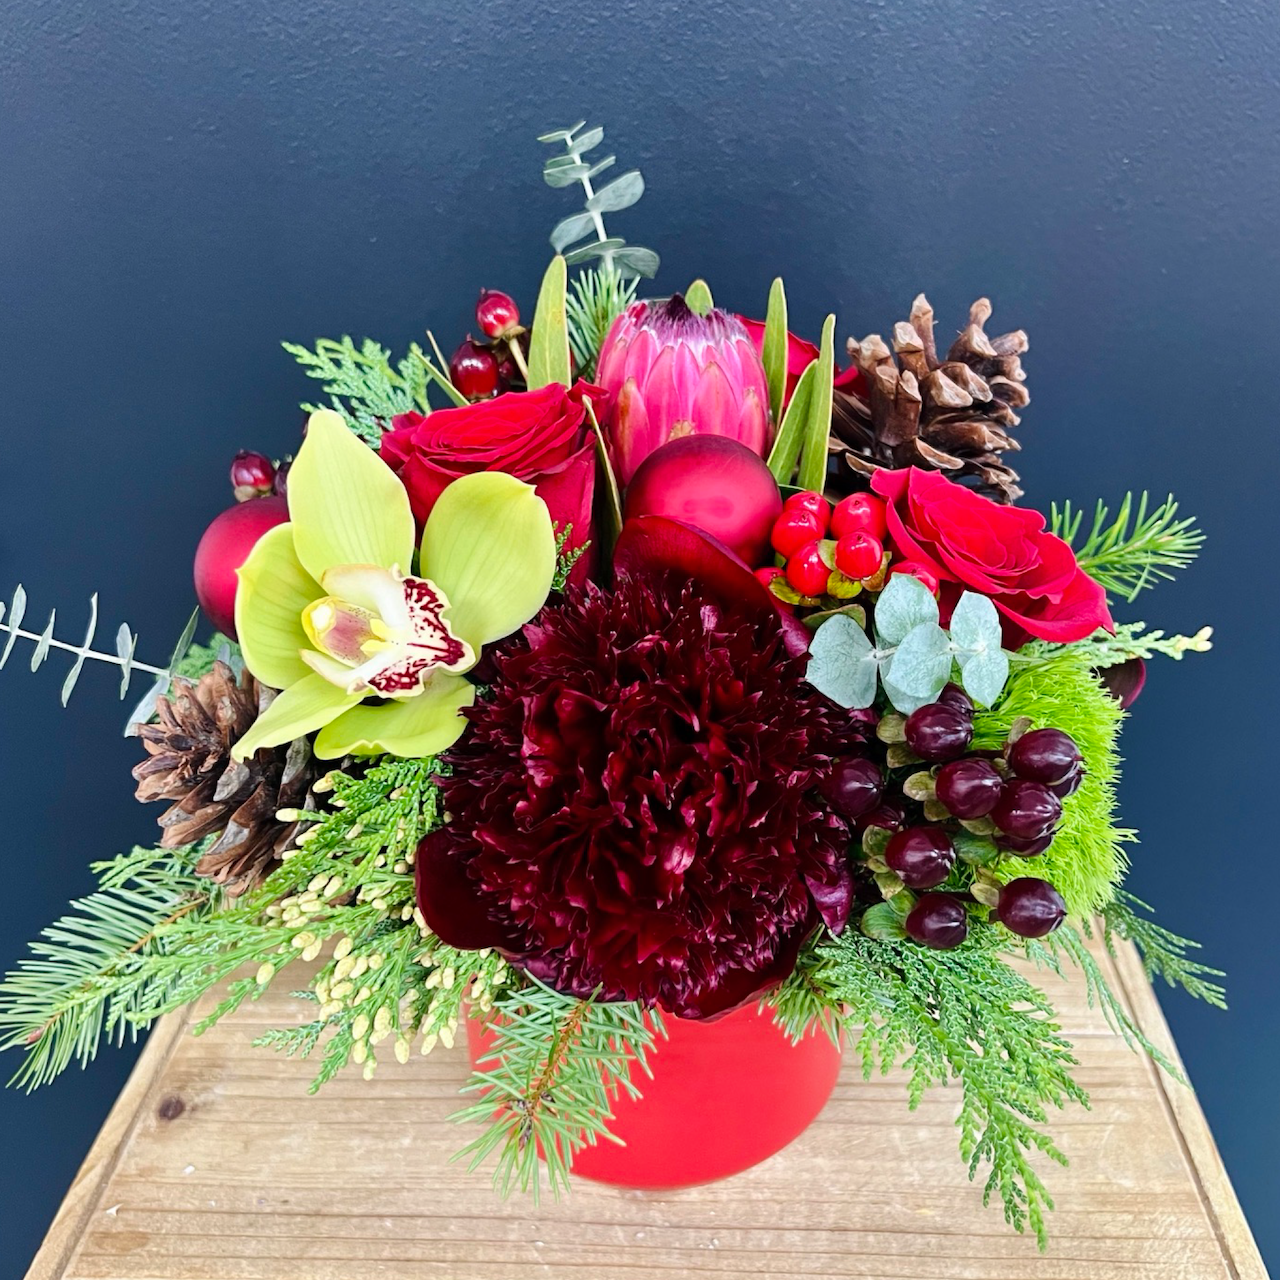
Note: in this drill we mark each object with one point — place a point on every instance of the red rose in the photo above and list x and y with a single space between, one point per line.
1003 552
800 355
537 436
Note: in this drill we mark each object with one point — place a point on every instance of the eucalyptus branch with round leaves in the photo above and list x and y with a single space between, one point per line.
912 656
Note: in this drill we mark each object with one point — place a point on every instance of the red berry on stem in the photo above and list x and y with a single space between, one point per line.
1026 848
224 547
921 856
969 788
938 920
814 503
1030 907
937 732
1026 810
954 696
1045 755
473 369
1070 784
795 528
768 575
280 485
252 475
860 513
853 788
858 555
496 313
917 571
889 815
807 571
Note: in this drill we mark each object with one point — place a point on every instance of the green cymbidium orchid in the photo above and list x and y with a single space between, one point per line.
329 613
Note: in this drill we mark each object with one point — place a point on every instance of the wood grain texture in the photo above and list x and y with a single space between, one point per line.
216 1163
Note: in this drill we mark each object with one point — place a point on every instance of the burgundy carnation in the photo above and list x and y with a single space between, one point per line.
634 808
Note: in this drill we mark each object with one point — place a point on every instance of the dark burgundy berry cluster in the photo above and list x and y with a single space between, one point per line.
254 475
481 370
1009 799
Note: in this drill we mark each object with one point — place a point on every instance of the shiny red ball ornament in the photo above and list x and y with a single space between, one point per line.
713 483
859 555
860 513
497 315
807 571
473 369
224 547
917 571
252 475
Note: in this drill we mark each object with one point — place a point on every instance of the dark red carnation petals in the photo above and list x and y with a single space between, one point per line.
652 544
450 901
1125 680
739 987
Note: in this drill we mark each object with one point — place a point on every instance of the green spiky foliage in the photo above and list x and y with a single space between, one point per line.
596 299
1087 860
962 1016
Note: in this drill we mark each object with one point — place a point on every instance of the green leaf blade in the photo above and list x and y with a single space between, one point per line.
549 339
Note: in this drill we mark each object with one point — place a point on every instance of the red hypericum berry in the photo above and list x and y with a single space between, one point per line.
889 814
954 696
508 374
280 485
807 572
814 503
1045 755
1026 848
938 920
1030 907
795 528
917 571
860 513
474 370
853 788
921 856
768 575
1026 810
252 475
1070 784
858 555
497 315
969 788
936 732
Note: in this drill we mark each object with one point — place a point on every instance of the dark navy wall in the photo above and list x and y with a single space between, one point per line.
182 185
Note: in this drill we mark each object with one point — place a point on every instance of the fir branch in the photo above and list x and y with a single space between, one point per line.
1135 549
366 387
596 299
962 1015
547 1085
94 970
1163 952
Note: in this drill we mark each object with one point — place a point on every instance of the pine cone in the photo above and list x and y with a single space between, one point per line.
189 762
950 415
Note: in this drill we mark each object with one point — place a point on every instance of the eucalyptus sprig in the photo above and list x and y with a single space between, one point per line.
615 255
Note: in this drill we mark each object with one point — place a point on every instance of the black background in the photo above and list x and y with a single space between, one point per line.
184 185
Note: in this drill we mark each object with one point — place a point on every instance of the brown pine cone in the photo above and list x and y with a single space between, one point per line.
951 415
189 762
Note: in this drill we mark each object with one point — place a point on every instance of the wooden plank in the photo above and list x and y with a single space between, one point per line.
216 1163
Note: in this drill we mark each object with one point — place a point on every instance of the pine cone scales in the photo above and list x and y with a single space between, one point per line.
189 762
951 415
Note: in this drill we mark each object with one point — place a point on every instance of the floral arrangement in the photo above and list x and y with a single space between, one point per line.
642 663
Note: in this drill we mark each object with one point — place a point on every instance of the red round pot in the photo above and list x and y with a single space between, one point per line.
724 1096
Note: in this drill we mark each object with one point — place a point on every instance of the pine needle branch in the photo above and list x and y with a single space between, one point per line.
1135 549
547 1084
596 299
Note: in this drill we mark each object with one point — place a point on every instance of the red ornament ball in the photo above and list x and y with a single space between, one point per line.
224 547
713 483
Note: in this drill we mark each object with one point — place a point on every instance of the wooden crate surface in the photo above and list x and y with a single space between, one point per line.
216 1163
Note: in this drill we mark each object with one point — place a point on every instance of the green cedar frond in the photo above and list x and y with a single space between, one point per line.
365 386
1133 550
91 972
596 299
1163 952
962 1015
1087 858
565 560
546 1087
1131 640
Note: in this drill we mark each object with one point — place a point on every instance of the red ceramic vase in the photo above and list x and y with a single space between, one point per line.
724 1096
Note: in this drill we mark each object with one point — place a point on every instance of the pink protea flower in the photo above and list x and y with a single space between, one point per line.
669 372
